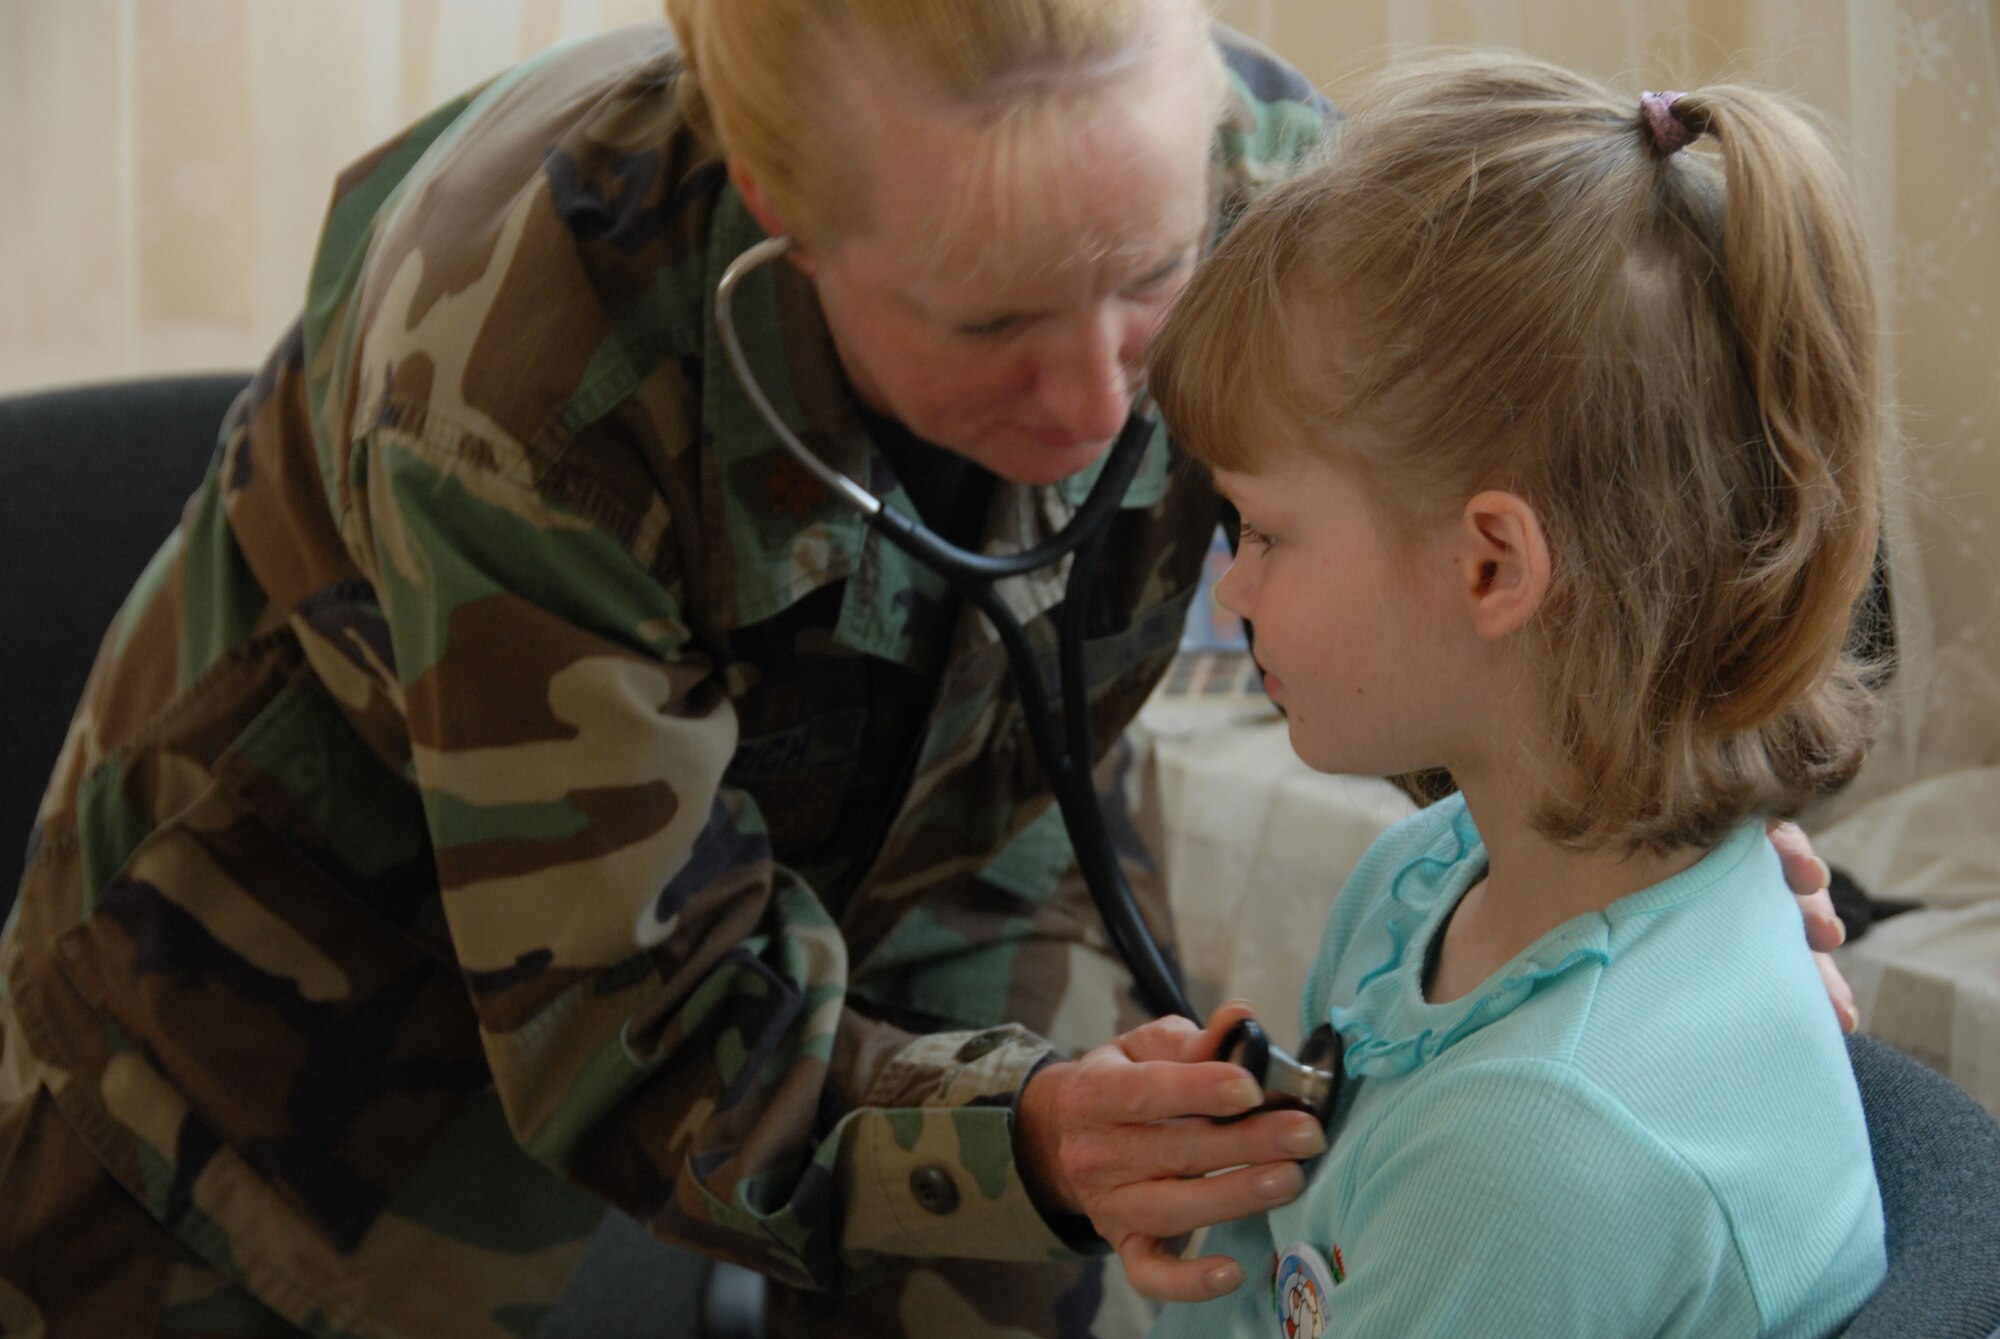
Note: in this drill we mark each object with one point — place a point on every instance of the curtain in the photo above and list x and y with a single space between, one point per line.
163 165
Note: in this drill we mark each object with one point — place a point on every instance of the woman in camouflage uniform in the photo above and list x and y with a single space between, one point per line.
517 785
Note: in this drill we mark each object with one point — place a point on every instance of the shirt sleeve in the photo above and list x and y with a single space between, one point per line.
1518 1198
663 1006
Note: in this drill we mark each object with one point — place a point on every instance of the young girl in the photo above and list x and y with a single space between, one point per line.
1551 418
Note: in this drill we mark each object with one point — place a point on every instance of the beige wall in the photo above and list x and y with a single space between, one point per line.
163 164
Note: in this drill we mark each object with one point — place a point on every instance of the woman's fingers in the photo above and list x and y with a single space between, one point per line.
1155 1272
1824 931
1176 1038
1168 1208
1123 1093
1805 872
1808 876
1220 1022
1198 1147
1838 991
1168 1038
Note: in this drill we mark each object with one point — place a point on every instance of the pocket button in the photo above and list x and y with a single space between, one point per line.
934 1189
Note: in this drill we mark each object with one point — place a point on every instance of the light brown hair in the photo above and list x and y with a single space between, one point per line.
761 79
1670 356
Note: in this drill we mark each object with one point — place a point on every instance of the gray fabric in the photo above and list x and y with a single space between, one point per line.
631 1286
1937 1156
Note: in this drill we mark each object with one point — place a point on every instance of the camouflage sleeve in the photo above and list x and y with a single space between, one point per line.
664 1007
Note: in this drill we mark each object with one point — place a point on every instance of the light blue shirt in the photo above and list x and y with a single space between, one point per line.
1645 1124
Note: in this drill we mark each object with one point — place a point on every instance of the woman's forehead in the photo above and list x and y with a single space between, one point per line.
1099 179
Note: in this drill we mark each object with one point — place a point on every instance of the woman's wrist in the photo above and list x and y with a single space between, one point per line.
1038 1140
1038 1158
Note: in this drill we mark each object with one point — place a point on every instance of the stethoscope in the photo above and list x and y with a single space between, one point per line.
1311 1081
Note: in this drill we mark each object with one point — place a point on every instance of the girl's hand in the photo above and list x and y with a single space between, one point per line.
1127 1136
1808 877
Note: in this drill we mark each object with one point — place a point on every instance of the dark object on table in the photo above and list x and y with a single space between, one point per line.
1857 909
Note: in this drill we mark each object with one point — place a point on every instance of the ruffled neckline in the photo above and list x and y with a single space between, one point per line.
1390 1028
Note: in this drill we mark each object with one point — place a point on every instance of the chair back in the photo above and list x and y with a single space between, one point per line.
91 480
1937 1159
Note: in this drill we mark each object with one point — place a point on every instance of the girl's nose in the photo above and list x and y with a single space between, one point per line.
1237 589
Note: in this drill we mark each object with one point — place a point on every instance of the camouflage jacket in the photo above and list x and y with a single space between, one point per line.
470 773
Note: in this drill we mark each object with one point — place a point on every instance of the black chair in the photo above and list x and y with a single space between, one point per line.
91 479
1937 1157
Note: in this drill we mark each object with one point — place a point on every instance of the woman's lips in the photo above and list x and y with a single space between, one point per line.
1055 439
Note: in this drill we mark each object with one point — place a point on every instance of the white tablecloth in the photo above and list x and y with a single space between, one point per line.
1928 981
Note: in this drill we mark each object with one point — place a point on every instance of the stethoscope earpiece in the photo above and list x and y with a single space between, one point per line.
1308 1082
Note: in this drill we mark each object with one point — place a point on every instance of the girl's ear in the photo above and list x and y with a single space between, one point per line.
1503 563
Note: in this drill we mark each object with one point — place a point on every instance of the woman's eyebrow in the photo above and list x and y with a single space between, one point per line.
923 305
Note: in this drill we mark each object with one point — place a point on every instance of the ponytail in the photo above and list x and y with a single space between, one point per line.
1796 271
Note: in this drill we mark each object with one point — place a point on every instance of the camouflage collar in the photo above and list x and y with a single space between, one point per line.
788 535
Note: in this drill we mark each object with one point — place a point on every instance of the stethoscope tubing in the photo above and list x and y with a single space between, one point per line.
1066 758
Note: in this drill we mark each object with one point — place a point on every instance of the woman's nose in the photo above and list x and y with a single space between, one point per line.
1086 385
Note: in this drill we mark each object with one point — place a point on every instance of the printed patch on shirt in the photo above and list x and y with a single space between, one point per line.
1302 1284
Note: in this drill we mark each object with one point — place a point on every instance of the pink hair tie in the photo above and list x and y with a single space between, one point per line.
1670 133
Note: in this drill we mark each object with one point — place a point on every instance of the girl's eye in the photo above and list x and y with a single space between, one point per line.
1250 534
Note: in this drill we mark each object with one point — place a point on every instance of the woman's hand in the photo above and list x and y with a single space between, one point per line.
1808 878
1126 1135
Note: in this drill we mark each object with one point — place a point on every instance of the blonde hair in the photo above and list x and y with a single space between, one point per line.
1669 355
760 80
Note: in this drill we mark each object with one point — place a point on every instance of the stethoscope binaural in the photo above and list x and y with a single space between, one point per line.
1309 1082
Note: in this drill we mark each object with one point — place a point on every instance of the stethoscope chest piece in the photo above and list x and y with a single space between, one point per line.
1309 1081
